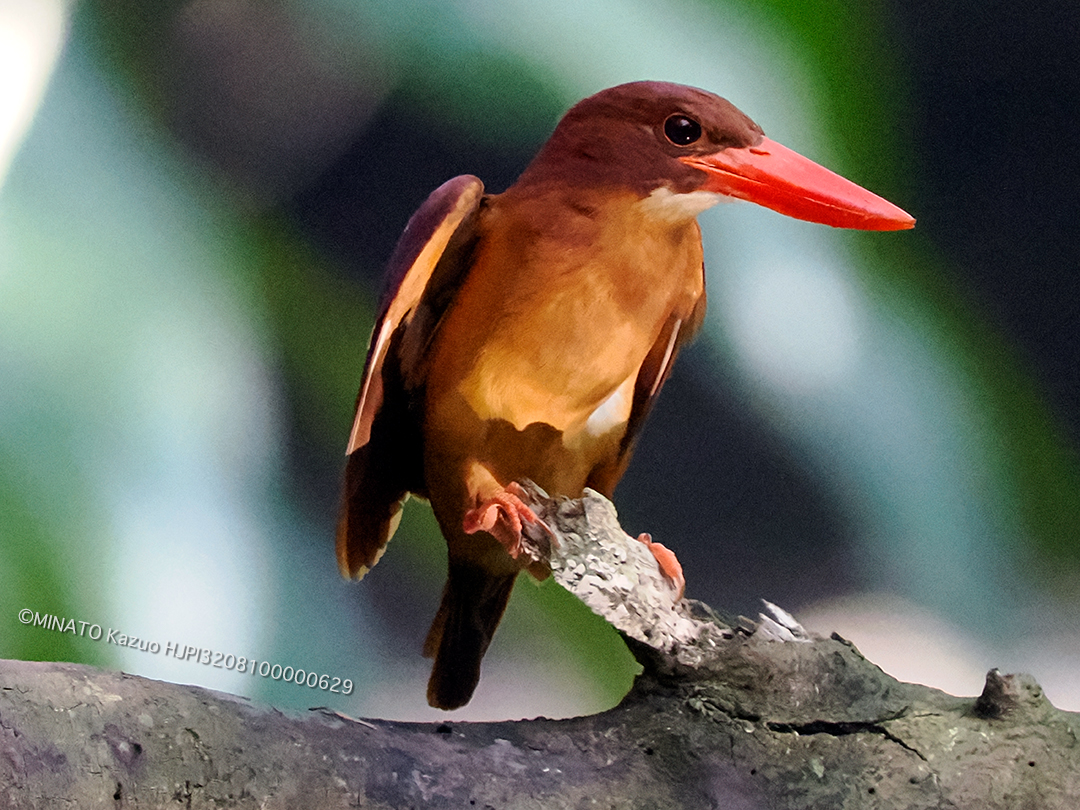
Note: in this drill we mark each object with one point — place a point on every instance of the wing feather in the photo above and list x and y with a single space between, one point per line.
385 444
654 372
409 272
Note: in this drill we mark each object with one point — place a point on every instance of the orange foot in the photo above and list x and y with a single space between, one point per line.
503 516
670 566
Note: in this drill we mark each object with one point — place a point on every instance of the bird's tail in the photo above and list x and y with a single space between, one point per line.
473 602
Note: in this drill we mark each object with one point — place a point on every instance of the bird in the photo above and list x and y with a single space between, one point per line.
527 334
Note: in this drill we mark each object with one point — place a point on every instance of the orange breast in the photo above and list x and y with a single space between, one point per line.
533 368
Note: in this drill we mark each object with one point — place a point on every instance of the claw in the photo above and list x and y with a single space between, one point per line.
503 516
669 564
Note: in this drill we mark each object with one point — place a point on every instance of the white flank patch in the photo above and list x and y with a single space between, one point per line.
612 412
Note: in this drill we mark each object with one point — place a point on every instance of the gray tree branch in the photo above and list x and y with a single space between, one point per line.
726 715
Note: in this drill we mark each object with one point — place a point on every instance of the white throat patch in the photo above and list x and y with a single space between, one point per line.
668 206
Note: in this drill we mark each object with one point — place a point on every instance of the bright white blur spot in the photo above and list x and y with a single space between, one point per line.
144 398
911 643
783 297
795 324
917 645
31 36
189 572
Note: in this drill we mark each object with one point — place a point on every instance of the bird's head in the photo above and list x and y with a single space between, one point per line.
678 142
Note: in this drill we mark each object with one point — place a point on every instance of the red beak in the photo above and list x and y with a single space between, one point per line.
772 175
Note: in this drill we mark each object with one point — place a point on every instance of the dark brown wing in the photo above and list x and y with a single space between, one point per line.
653 373
385 444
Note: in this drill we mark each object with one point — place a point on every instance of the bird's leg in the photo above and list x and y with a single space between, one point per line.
669 564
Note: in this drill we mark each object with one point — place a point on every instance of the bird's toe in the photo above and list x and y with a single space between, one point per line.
669 564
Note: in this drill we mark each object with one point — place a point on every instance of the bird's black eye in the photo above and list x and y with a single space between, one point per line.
682 131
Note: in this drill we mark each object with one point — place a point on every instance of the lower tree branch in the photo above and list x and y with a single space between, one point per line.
726 714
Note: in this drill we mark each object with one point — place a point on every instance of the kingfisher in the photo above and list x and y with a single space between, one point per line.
527 334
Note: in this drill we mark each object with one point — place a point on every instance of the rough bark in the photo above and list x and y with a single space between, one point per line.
727 715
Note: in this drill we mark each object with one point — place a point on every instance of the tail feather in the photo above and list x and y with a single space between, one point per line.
472 604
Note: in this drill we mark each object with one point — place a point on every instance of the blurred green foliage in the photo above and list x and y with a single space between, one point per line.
35 575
